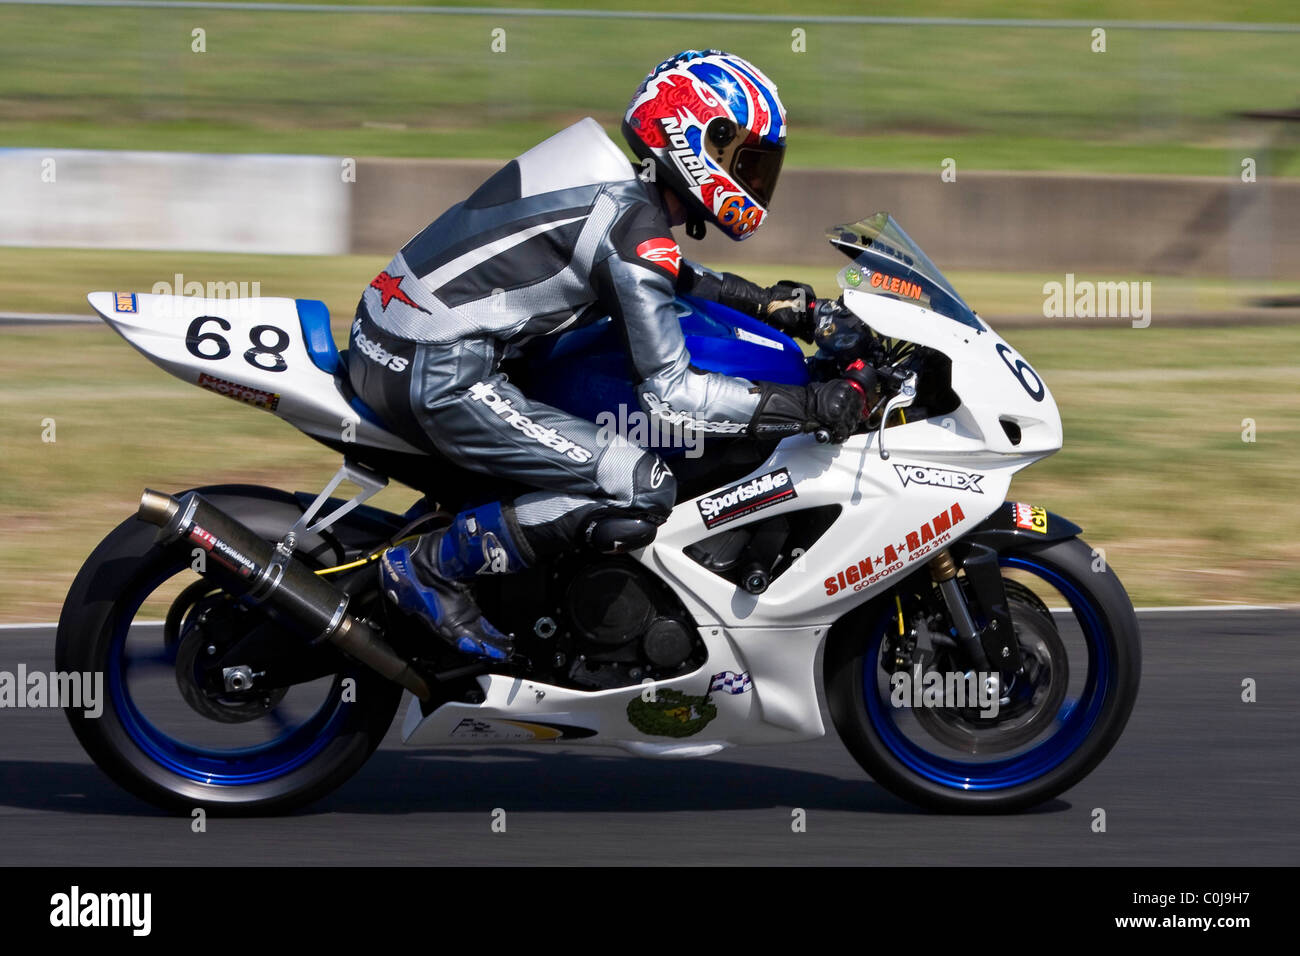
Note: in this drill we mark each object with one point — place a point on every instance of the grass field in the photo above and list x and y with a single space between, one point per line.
1154 467
861 96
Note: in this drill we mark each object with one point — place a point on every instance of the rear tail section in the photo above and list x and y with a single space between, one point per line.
275 354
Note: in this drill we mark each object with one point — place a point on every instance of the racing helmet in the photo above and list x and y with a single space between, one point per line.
715 130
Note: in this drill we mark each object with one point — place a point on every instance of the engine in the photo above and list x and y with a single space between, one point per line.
604 622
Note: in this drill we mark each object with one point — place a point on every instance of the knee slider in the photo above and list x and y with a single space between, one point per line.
654 489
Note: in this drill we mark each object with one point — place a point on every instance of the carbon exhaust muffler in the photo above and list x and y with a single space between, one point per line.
269 574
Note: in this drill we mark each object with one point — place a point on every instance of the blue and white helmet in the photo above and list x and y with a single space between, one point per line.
715 129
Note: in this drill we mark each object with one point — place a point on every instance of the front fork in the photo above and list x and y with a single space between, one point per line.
993 646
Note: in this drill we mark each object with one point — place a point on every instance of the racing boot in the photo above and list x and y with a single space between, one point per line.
429 578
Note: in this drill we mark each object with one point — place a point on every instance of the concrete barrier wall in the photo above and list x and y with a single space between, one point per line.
138 200
1004 221
1050 223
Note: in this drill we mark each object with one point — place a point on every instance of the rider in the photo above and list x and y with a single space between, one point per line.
569 232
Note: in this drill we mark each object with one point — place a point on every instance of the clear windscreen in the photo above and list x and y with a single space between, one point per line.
887 262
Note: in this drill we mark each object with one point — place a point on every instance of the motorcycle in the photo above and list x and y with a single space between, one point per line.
974 653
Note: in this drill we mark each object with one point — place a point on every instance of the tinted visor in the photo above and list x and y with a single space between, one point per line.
754 166
757 168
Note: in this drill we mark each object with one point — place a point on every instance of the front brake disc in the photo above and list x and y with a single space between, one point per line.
1026 707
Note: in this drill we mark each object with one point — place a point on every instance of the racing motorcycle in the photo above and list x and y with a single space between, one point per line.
974 653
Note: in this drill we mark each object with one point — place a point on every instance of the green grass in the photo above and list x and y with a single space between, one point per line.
861 96
1154 467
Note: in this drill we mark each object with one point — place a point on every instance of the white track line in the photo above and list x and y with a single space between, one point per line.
1188 608
1199 608
50 627
45 318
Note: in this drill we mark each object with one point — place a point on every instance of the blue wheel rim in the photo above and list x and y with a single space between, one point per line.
1074 721
234 767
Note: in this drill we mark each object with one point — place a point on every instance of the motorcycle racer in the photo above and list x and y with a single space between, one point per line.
566 233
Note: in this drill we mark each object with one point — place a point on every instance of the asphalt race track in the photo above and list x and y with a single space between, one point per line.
1198 778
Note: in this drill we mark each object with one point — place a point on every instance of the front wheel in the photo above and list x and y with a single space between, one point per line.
1051 725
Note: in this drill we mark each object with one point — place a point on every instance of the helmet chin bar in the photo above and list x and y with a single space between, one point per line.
695 225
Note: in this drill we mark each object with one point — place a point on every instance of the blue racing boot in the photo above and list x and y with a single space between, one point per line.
429 578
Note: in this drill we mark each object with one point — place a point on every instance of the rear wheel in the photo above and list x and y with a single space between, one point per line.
165 734
1051 725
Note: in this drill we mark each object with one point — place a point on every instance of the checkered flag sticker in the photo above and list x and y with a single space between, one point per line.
731 682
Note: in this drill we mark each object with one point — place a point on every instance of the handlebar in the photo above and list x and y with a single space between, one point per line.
864 378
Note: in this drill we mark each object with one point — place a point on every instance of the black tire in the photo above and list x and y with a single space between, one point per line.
850 641
126 561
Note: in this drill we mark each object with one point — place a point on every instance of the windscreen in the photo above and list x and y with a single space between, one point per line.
887 262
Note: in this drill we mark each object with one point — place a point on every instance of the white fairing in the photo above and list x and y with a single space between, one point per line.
942 479
992 380
272 371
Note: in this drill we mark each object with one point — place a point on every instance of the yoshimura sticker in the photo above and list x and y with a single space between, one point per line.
223 553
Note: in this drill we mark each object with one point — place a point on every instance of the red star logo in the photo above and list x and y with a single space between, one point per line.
390 288
663 252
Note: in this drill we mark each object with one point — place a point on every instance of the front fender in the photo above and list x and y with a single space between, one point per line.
1016 524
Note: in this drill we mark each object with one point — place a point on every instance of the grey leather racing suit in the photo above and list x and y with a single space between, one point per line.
561 236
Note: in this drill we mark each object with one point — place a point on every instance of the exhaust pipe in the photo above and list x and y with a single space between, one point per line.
269 574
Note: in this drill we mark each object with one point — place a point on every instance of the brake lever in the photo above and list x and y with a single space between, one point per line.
906 396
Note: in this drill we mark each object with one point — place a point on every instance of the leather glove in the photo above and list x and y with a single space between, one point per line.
786 306
789 308
785 410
